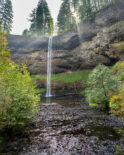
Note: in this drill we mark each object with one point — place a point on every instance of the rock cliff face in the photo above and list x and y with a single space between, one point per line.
102 42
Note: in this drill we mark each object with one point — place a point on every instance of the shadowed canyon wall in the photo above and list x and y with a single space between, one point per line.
102 42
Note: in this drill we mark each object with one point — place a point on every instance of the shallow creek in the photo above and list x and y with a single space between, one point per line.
68 126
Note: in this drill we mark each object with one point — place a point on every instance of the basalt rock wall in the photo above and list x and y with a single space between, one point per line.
102 41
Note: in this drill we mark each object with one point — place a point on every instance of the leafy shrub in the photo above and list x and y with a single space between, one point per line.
18 99
118 70
117 101
101 85
4 51
117 104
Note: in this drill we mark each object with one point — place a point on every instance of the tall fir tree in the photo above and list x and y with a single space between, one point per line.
86 10
44 21
78 9
1 9
75 4
7 17
33 21
89 7
65 18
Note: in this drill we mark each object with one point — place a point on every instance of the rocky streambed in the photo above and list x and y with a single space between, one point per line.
68 126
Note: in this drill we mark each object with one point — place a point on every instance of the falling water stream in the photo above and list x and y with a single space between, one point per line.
78 28
49 67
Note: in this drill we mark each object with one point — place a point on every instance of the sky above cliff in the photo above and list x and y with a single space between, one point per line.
22 9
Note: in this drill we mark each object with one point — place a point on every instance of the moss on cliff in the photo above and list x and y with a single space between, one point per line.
116 26
118 46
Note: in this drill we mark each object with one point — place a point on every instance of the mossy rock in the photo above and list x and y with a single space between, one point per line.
118 46
118 69
116 26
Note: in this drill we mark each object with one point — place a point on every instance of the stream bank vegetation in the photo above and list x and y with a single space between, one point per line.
103 86
18 97
73 82
106 88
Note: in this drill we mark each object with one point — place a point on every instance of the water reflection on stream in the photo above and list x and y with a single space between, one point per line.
68 126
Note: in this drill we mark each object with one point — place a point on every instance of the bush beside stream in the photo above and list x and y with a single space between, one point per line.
18 98
106 88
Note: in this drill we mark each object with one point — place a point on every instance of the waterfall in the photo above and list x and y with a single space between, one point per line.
76 16
49 67
78 27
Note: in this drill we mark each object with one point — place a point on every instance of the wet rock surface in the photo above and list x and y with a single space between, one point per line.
68 126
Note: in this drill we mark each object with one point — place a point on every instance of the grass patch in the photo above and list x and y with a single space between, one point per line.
39 76
72 77
41 90
67 77
65 81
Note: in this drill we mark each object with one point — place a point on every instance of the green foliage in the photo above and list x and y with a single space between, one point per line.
72 76
25 33
117 104
118 70
4 51
38 76
116 26
89 8
81 9
1 8
33 21
101 85
75 4
41 91
86 11
69 81
106 88
117 101
18 99
6 15
119 149
119 47
68 77
65 19
41 20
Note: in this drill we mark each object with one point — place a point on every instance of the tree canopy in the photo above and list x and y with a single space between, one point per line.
81 9
6 15
65 17
41 20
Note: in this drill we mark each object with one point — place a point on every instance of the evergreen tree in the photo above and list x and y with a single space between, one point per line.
75 4
65 19
7 16
86 10
44 21
25 33
33 21
78 9
89 7
1 8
